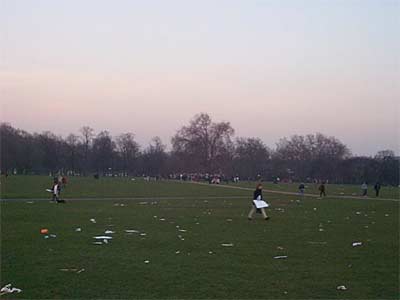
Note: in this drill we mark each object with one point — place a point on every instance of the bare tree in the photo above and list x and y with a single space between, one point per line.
87 138
203 144
128 150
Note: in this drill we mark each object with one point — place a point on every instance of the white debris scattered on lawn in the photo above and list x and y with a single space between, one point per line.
314 208
177 252
386 215
210 252
143 234
109 232
227 245
341 288
182 230
279 248
146 261
53 235
162 219
8 289
78 229
131 231
102 237
98 243
355 244
143 203
93 221
181 237
281 257
105 241
119 204
321 229
80 271
358 213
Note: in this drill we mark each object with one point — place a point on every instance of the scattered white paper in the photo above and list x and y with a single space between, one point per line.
227 245
80 271
102 237
280 257
8 289
93 221
131 231
182 230
341 288
143 234
98 243
146 261
109 232
78 229
355 244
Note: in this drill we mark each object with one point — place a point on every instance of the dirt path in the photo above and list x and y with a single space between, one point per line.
295 194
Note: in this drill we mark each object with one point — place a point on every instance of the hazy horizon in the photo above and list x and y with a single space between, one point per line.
271 68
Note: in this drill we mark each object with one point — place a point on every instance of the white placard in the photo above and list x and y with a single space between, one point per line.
260 203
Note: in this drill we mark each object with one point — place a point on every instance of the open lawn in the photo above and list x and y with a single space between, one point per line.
181 232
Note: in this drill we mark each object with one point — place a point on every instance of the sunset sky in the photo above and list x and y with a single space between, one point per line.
271 68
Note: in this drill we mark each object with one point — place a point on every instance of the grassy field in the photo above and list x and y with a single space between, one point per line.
183 243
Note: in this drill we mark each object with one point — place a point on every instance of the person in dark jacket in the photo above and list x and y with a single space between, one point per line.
257 195
377 188
321 189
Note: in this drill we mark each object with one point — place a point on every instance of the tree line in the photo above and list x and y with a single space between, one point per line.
202 147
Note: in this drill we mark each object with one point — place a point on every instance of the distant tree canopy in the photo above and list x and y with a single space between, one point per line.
202 146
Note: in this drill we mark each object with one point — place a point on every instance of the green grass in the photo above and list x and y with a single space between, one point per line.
247 270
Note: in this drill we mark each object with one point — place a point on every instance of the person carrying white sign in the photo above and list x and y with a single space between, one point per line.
258 204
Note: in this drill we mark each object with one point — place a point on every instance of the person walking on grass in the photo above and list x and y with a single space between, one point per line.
301 189
56 189
321 189
377 188
364 189
257 195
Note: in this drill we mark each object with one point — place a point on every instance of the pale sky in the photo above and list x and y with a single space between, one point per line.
271 68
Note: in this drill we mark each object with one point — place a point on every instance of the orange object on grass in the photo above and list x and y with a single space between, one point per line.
44 231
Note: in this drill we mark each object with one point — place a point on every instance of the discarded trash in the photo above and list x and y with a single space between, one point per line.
182 230
93 221
8 289
53 235
227 245
98 243
355 244
69 270
46 236
44 231
119 204
109 232
105 241
162 219
386 215
279 248
146 261
143 203
78 229
177 252
314 208
280 257
321 229
358 213
341 288
143 234
102 237
210 252
131 231
80 271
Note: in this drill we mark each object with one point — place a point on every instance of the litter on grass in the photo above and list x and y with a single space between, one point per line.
341 288
143 234
78 229
355 244
80 271
182 230
93 221
131 231
280 257
146 261
109 232
8 289
102 237
227 245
